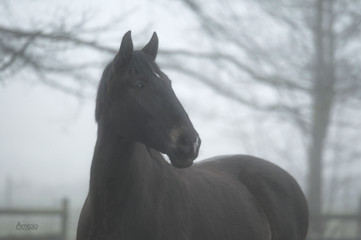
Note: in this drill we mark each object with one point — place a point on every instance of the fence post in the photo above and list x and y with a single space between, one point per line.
358 218
64 218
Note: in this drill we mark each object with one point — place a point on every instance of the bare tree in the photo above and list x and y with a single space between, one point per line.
307 52
50 51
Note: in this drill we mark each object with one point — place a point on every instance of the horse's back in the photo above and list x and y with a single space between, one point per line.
275 191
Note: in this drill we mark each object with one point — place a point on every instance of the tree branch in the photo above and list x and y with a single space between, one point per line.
271 80
58 36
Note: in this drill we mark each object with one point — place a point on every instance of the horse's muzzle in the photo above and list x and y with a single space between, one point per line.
185 151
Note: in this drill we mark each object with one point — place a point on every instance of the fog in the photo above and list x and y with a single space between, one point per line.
47 136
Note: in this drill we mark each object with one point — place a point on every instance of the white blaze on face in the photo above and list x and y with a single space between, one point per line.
156 74
196 145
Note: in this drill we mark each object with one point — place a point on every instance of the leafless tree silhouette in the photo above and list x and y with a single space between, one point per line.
306 52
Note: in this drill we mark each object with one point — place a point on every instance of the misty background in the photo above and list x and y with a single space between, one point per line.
275 79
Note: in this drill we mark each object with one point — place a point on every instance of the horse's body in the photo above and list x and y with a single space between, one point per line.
135 194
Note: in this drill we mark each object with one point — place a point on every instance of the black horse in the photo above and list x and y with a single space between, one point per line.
135 194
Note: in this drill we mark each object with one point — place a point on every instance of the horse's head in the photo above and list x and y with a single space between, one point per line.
136 99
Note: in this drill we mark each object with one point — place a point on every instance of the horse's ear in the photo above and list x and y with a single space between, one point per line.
152 46
125 51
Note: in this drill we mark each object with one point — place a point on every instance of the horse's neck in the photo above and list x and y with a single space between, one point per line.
119 168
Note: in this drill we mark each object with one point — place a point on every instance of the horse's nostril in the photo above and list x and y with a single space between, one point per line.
185 145
184 140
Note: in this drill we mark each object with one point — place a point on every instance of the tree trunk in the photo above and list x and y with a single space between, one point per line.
322 99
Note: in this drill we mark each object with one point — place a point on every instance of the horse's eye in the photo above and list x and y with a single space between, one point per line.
139 85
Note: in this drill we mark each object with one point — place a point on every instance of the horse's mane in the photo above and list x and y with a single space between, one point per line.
101 95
